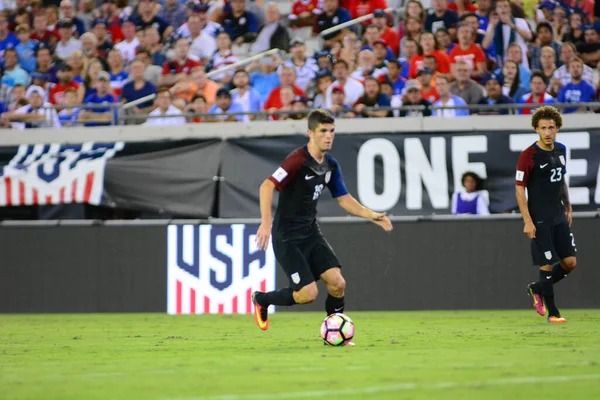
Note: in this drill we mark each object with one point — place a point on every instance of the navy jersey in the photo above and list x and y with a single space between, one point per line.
300 180
542 173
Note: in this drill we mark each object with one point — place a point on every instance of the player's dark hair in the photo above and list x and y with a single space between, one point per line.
318 117
476 178
547 113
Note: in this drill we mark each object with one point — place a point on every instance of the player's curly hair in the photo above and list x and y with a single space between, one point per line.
546 112
318 117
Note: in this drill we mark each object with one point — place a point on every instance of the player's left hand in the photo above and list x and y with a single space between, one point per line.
382 220
570 215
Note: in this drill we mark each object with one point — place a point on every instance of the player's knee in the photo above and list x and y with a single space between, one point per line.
569 264
307 294
337 287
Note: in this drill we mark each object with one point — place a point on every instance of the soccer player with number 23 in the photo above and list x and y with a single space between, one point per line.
299 245
546 210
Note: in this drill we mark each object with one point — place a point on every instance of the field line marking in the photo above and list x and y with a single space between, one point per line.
400 387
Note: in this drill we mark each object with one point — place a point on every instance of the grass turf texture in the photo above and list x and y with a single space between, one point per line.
399 355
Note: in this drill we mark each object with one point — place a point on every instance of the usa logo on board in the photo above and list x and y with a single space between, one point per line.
213 269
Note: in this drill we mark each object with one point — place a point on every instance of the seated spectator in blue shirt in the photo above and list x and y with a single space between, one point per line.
331 16
267 79
100 116
26 48
493 87
225 104
241 25
138 87
13 73
578 90
244 94
439 16
447 99
372 98
69 116
8 40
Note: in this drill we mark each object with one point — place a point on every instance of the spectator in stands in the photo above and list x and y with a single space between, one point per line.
179 68
151 42
306 67
86 13
92 71
26 49
462 7
300 106
222 58
323 81
413 98
15 98
512 86
441 17
413 9
562 76
348 50
147 17
578 90
52 14
393 77
197 106
272 35
324 60
373 98
287 77
173 13
360 8
165 112
331 16
504 29
339 103
372 37
76 63
224 105
103 44
443 38
69 116
138 87
89 46
590 48
241 25
429 46
36 114
244 94
152 72
515 54
286 96
41 33
468 51
203 45
428 91
67 9
65 82
99 116
210 28
466 88
380 49
538 94
386 32
366 67
130 43
7 38
547 62
544 37
118 75
493 86
304 13
409 48
447 99
109 13
353 89
470 200
267 79
67 43
573 30
13 74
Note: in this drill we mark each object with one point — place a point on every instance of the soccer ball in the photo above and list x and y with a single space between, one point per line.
337 329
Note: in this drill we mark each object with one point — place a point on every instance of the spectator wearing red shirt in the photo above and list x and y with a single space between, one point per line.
287 77
462 7
179 68
42 34
65 81
110 13
428 91
468 51
358 8
429 46
304 13
385 32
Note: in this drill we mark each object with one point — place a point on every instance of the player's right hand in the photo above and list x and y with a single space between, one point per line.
263 235
529 230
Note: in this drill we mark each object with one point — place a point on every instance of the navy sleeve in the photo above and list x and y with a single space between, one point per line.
344 15
563 156
252 22
336 182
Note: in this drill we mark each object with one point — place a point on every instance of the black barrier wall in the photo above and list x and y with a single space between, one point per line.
420 265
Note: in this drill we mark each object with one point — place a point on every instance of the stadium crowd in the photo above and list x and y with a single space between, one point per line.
87 57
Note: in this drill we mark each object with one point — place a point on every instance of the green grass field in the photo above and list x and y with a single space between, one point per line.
399 355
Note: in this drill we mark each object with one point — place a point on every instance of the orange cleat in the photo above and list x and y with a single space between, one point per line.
556 320
260 314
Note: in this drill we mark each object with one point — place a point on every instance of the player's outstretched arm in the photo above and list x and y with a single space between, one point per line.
529 228
263 235
353 207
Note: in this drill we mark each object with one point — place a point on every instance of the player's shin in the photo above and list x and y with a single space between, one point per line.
334 304
281 297
547 292
558 273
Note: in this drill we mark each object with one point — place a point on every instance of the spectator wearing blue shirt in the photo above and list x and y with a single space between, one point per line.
331 16
13 73
267 79
578 90
138 87
8 40
372 98
241 25
244 94
372 38
440 16
447 99
100 116
394 77
226 105
26 49
69 116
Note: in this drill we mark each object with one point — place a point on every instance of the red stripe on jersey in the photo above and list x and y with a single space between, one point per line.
525 165
291 165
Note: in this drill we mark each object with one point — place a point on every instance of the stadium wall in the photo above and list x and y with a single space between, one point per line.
425 263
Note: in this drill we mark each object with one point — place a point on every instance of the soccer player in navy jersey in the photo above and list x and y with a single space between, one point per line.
546 210
299 245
